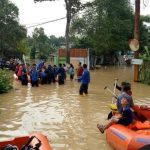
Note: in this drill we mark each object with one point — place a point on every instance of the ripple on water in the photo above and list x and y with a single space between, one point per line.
5 135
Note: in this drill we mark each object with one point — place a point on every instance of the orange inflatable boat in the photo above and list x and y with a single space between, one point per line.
34 141
143 110
123 138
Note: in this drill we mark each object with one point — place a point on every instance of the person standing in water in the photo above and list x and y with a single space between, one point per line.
85 80
71 72
61 74
79 72
34 76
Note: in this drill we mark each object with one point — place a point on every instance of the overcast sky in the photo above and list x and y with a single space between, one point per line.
31 13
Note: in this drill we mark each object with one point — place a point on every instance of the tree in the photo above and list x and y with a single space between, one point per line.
108 24
22 46
40 43
11 32
144 33
32 52
41 46
57 42
72 7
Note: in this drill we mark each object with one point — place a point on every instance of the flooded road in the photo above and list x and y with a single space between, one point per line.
67 119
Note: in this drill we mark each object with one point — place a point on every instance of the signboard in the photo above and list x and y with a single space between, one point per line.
134 44
137 61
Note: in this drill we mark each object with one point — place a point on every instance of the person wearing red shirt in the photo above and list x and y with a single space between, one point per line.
79 72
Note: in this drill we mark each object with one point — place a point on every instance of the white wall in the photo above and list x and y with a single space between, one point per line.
75 61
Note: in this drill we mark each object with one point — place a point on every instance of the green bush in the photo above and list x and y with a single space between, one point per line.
6 80
147 76
144 71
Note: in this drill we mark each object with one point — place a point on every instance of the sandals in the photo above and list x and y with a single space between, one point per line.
101 128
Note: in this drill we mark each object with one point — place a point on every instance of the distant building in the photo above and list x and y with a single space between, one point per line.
147 26
76 56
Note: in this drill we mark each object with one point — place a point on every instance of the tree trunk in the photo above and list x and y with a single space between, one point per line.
68 15
67 41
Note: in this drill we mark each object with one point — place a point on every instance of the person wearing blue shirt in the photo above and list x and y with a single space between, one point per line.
125 118
34 76
125 94
40 65
85 80
61 74
42 76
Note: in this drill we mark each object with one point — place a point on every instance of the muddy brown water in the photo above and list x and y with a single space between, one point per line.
67 119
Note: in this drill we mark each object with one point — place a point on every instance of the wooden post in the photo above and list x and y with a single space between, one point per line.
137 37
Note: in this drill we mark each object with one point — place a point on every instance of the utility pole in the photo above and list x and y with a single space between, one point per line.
137 37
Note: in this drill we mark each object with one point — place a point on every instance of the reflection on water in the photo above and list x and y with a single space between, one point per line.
67 119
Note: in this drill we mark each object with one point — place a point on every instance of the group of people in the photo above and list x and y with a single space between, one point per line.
45 75
36 74
125 114
9 63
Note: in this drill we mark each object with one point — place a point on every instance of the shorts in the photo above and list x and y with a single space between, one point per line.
114 119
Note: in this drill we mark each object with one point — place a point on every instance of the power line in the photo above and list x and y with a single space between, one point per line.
38 24
46 22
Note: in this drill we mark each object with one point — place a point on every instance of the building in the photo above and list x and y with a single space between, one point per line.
76 56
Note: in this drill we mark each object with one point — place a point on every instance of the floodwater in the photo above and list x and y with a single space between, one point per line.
67 119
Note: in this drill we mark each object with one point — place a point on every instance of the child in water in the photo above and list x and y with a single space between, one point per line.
125 118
